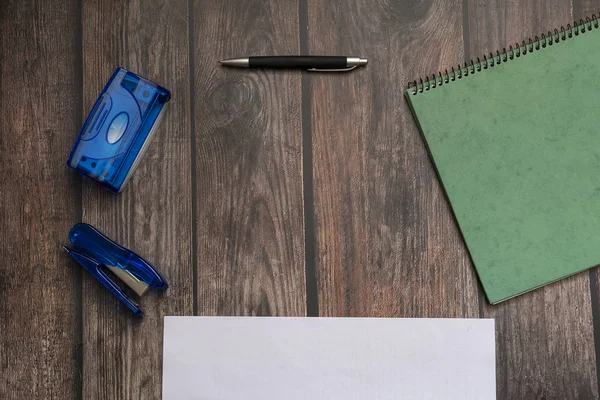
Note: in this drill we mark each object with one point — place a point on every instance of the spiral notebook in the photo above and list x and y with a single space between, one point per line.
515 139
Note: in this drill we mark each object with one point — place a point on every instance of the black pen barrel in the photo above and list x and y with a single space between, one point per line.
319 62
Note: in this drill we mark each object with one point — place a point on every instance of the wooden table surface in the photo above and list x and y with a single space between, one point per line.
263 193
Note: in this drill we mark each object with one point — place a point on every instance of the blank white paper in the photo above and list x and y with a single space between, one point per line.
233 358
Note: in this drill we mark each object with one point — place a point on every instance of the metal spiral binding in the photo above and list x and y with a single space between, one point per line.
491 60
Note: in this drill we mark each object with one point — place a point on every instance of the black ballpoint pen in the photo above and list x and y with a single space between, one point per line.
312 63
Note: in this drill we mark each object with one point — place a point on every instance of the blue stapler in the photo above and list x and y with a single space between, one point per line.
98 254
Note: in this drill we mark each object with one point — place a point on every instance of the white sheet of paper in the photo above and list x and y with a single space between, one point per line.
233 358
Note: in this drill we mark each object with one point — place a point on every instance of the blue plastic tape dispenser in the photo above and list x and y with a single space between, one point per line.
98 255
117 131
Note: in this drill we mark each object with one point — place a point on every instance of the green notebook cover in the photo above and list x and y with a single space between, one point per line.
515 139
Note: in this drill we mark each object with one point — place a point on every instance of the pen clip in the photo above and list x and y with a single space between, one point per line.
332 70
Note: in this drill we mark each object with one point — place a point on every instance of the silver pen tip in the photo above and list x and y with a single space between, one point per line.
236 62
363 61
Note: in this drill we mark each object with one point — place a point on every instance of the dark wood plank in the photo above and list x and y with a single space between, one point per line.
40 102
249 162
545 345
585 8
387 244
122 356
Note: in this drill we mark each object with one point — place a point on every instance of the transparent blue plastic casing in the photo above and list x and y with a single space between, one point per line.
117 131
98 255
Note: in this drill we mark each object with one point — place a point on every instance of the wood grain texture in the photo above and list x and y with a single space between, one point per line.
122 356
585 8
217 202
545 342
40 198
249 162
387 244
